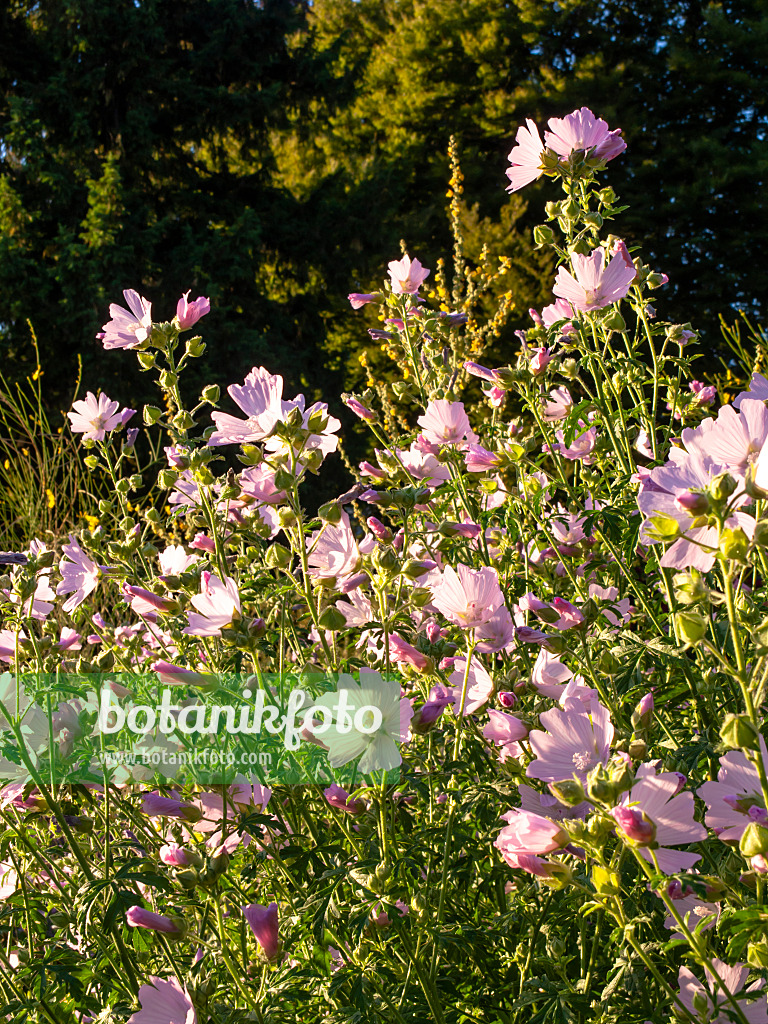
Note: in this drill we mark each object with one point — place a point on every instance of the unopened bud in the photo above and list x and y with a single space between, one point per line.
332 619
722 487
734 544
691 626
606 882
568 791
330 512
738 733
151 414
754 840
543 235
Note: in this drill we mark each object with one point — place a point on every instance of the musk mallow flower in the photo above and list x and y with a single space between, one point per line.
93 417
655 815
446 422
526 832
164 1001
467 597
79 575
734 439
188 313
264 925
138 917
332 552
127 329
577 739
557 406
525 157
709 1003
260 398
218 603
582 131
479 686
595 284
736 799
406 276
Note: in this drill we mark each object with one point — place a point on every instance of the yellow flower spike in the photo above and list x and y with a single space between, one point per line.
50 497
92 521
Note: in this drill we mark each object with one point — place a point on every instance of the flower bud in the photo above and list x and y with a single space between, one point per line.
722 487
195 347
738 733
277 557
607 883
330 512
754 840
543 235
634 826
332 619
614 321
568 791
210 394
146 360
695 503
734 544
151 414
691 626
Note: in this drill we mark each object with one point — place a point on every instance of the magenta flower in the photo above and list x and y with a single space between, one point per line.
594 285
656 799
93 417
713 997
188 313
403 653
446 422
263 922
577 740
359 409
164 1001
127 329
406 276
138 917
333 552
539 361
525 157
581 130
529 833
79 576
218 604
260 398
175 856
469 597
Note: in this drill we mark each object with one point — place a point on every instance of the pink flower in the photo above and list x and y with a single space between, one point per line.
505 731
594 285
333 552
138 917
218 603
559 405
529 833
80 574
423 466
175 856
758 389
357 299
577 739
539 361
734 979
735 439
557 312
359 409
581 130
154 805
658 800
549 675
403 653
446 422
479 686
174 560
406 276
175 675
469 597
164 1001
525 157
188 313
93 416
496 633
260 398
263 922
582 445
126 329
144 602
736 798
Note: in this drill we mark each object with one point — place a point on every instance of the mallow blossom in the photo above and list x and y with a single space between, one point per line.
260 398
577 739
717 1008
406 276
127 329
446 422
164 1001
468 597
188 313
595 284
94 417
217 604
582 131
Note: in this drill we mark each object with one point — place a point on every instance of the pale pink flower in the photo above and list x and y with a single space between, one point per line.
479 686
218 603
505 731
559 405
174 560
93 417
357 611
735 439
581 130
497 633
403 653
406 276
758 390
581 447
175 856
594 285
188 313
733 978
263 922
127 329
358 299
525 157
549 674
618 611
670 812
260 398
577 740
559 312
529 833
424 467
164 1001
79 575
342 801
259 482
549 806
736 798
469 597
540 360
446 422
333 552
